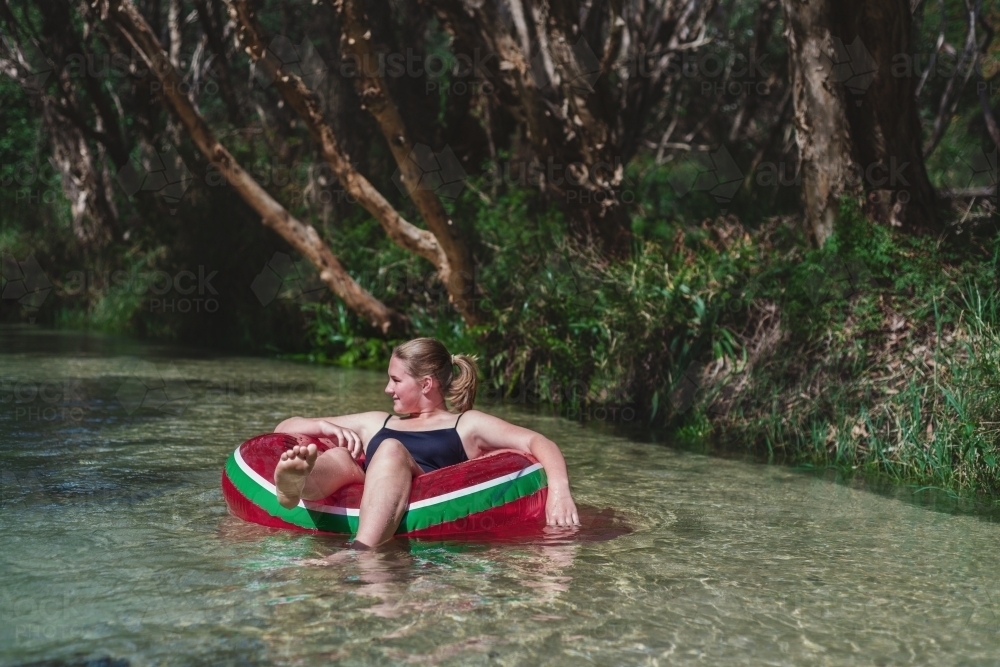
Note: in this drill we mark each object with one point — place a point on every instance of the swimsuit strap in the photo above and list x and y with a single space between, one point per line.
457 420
387 420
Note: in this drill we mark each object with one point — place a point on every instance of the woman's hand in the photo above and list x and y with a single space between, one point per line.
560 510
343 437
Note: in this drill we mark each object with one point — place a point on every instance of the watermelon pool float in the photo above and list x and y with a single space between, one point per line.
502 490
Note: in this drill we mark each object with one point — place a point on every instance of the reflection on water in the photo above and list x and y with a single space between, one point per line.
117 544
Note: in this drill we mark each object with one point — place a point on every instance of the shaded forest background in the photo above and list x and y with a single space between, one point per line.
753 226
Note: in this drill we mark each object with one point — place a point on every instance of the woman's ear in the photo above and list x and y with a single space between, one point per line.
425 384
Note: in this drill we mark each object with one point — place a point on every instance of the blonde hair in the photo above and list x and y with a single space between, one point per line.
428 357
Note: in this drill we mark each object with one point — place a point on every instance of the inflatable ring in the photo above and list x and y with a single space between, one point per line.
502 489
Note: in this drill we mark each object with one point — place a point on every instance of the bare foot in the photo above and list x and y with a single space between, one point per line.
291 472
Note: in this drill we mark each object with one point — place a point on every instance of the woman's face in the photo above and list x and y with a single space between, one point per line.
405 389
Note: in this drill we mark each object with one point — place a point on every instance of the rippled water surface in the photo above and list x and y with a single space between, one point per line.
116 543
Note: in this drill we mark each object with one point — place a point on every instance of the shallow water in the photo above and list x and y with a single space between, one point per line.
116 543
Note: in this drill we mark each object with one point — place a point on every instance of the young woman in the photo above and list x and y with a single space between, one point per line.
397 449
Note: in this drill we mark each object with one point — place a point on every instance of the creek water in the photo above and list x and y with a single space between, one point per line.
117 547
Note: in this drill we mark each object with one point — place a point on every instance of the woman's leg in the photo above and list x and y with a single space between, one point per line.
387 489
301 473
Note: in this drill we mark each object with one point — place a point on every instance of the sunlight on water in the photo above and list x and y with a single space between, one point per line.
117 543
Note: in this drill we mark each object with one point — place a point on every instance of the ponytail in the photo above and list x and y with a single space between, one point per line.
427 357
462 390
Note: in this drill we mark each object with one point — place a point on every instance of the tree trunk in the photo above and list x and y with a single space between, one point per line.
884 124
302 237
174 28
85 180
306 104
219 63
855 117
821 128
440 246
457 273
552 63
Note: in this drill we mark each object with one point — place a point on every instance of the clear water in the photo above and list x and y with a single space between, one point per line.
116 543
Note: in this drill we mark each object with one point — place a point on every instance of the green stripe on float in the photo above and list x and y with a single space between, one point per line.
298 516
473 503
424 514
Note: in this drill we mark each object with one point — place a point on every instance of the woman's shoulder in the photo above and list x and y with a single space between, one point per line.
379 416
478 417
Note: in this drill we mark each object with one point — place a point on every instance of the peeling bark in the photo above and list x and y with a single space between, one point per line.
553 68
303 237
219 62
85 180
856 120
456 271
174 27
307 105
821 128
885 127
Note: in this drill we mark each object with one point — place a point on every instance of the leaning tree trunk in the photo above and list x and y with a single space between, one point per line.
457 271
303 237
440 245
856 120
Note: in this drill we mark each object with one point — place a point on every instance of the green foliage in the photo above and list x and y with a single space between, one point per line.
877 352
888 365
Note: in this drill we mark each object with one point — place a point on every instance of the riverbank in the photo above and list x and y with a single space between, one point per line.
877 354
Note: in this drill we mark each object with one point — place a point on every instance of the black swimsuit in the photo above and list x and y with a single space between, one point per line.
431 450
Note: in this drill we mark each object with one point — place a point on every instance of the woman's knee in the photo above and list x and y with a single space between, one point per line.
391 452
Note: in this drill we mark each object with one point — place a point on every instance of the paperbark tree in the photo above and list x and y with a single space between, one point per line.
85 179
440 246
553 62
821 128
214 33
303 237
457 271
855 115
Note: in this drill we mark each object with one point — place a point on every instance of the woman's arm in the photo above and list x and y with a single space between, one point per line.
351 431
488 433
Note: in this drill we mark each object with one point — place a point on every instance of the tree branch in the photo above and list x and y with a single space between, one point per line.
307 105
949 98
303 237
456 271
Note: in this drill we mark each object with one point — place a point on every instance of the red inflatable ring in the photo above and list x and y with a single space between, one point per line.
503 489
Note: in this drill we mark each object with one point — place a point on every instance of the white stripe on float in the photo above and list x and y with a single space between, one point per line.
444 497
252 474
472 489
